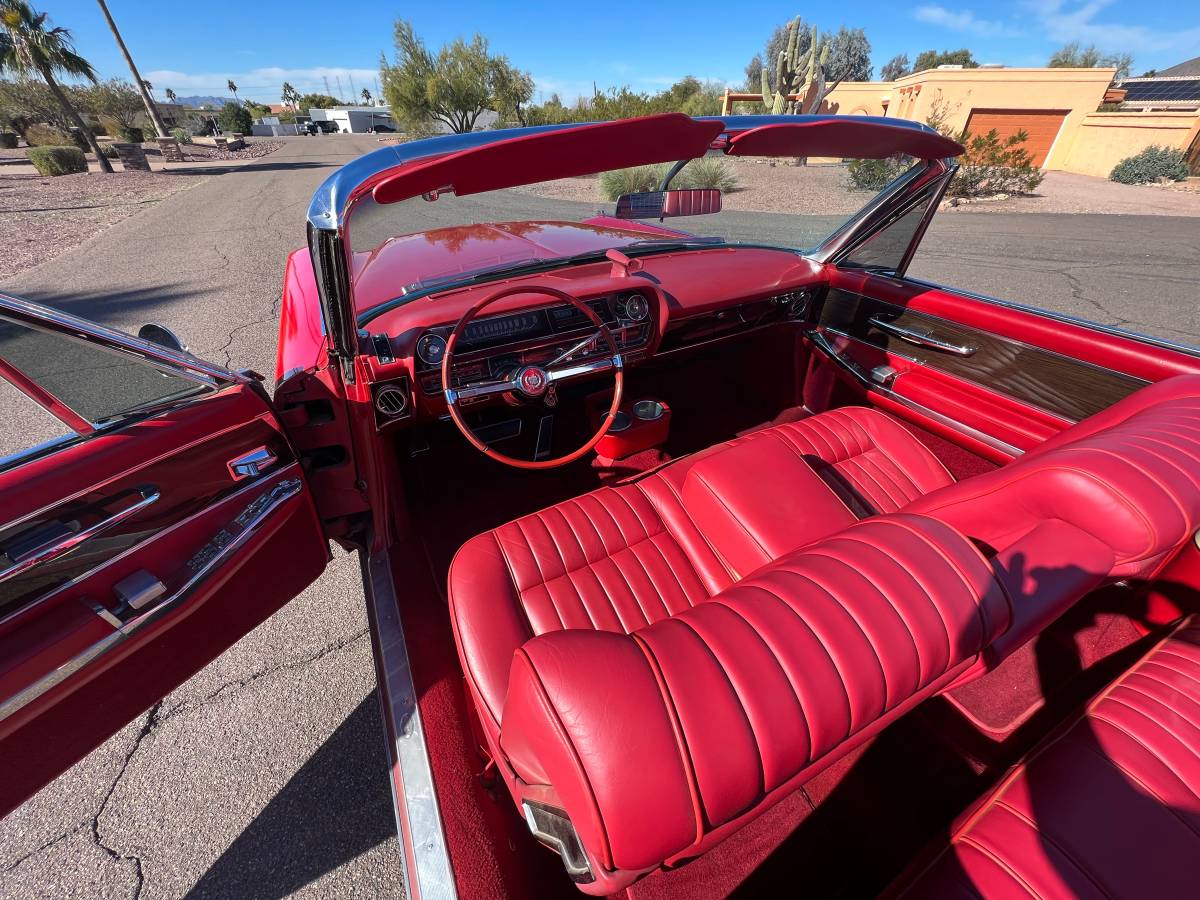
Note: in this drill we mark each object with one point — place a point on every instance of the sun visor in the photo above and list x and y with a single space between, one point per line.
847 138
564 153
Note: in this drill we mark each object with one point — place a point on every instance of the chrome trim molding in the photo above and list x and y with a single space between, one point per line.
45 318
821 343
1153 341
250 520
921 340
54 550
420 825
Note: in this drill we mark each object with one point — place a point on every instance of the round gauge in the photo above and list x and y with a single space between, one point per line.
636 307
431 348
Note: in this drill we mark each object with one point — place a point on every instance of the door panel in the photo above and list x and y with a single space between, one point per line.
170 556
1002 376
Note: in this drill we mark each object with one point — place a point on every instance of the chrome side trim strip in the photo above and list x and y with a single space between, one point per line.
821 343
46 318
54 550
418 816
250 520
1188 349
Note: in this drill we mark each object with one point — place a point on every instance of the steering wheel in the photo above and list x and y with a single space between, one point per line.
533 382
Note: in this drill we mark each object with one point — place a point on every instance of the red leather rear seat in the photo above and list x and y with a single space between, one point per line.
1108 809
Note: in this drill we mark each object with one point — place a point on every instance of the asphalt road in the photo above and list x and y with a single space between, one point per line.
264 775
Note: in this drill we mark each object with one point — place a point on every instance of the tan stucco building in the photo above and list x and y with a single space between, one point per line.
1057 108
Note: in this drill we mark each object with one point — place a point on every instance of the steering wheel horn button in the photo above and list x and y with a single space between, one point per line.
532 381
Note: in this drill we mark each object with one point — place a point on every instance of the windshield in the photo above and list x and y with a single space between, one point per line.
424 243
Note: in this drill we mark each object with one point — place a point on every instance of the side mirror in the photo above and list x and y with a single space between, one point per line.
163 336
669 204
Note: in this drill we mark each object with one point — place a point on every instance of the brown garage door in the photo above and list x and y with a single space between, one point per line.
1041 125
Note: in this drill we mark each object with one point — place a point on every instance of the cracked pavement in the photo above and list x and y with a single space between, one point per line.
264 775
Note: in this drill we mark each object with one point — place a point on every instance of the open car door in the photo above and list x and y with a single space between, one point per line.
166 516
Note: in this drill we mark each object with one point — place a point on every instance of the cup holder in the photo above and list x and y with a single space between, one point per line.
620 422
648 410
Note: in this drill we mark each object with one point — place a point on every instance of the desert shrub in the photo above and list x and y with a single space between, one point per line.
234 117
1150 165
42 135
707 173
57 160
109 151
699 173
616 182
98 129
182 135
995 165
126 134
875 174
8 140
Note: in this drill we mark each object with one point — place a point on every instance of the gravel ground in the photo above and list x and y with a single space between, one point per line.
255 147
821 190
42 217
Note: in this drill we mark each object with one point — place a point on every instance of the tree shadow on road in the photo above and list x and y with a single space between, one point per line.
338 806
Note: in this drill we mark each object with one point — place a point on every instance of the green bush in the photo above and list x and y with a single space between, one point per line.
42 135
57 160
129 134
875 174
8 140
182 135
699 173
993 165
1150 165
616 182
234 117
707 173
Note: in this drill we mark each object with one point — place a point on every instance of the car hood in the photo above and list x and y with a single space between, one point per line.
398 262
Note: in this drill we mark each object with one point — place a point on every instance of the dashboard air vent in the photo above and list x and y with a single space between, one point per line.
392 401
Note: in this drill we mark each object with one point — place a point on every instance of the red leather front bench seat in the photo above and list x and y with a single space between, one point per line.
1110 808
661 742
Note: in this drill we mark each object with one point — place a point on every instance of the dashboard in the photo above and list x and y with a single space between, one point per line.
714 295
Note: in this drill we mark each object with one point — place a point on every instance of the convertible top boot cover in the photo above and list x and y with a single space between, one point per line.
659 743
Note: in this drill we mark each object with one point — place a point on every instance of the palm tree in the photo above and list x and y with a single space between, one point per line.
289 96
28 47
171 95
232 89
366 95
144 87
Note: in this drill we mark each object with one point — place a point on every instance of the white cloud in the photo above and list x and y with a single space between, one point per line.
962 21
1073 21
265 84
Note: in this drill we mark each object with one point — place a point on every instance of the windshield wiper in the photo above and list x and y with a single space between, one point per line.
672 243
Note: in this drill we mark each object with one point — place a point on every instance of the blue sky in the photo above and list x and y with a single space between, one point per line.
567 46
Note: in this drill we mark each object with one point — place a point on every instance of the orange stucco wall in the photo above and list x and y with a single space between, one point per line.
1088 142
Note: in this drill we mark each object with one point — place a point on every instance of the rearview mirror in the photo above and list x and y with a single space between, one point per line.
669 204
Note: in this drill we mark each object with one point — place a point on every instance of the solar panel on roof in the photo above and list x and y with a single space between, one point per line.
1162 89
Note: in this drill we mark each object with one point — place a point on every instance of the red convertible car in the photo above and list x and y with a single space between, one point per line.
718 560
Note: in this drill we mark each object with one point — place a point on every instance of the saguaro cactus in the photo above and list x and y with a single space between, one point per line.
798 74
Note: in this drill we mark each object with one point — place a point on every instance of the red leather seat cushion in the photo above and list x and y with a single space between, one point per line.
1108 809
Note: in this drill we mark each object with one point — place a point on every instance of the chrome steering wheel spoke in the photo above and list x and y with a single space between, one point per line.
588 367
481 389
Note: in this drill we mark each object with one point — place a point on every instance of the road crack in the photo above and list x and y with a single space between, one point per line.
152 721
253 677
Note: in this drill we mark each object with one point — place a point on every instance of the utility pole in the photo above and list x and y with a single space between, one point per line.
151 107
338 79
325 78
353 90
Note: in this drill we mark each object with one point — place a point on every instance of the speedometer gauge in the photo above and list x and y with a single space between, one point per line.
431 348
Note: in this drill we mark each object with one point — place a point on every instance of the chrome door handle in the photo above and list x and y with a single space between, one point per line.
252 464
61 546
921 339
